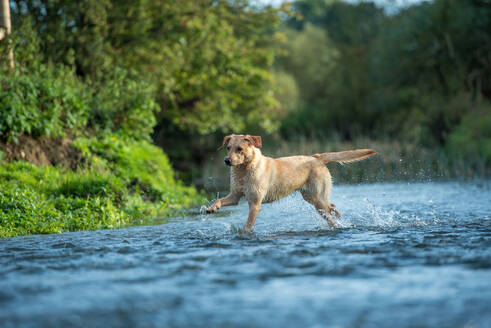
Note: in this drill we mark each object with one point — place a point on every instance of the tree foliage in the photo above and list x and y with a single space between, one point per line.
207 59
422 74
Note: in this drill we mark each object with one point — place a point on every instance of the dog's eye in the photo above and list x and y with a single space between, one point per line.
228 148
239 148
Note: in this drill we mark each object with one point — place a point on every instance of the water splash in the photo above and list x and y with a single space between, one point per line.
362 206
202 210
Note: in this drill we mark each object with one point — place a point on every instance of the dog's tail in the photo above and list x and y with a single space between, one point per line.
345 156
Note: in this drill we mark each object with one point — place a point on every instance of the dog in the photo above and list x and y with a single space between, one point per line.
261 179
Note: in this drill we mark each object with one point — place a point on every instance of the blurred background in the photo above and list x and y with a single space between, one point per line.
411 79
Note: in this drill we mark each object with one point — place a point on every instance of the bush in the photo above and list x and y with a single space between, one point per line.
143 167
39 99
124 104
43 102
122 178
49 101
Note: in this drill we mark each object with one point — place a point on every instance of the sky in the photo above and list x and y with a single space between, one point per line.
388 4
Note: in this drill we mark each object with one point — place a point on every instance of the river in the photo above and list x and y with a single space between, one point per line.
407 255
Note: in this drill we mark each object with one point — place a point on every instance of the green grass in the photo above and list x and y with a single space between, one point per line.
123 182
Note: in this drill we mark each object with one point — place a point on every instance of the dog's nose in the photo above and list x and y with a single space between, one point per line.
227 161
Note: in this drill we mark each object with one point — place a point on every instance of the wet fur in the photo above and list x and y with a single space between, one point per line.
262 179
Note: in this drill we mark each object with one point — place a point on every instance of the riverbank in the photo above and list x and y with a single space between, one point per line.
117 182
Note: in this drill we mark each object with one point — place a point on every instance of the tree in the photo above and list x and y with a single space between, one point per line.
332 65
209 60
6 29
415 75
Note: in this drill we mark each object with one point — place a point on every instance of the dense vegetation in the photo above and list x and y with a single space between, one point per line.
117 176
421 75
207 60
117 190
110 77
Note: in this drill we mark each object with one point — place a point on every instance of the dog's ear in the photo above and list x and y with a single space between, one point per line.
256 141
225 141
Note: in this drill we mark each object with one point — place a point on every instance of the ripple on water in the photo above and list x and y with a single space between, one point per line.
63 245
404 248
127 250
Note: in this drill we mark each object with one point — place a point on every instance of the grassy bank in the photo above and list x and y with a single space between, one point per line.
76 152
122 182
395 162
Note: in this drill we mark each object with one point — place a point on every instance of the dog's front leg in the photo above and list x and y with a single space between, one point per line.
230 199
254 208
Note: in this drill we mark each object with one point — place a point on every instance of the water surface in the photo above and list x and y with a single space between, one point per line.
408 255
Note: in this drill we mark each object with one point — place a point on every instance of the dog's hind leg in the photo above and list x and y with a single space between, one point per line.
335 210
326 211
317 192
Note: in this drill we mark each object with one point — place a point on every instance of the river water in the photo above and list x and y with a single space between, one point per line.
408 255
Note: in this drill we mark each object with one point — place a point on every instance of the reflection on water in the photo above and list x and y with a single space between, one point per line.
407 255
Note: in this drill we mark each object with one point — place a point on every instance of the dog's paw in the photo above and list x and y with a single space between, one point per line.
246 230
212 209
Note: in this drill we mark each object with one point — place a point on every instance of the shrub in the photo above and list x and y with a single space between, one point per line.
49 101
143 167
124 104
123 177
43 102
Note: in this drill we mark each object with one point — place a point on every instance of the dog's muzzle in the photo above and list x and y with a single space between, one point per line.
228 161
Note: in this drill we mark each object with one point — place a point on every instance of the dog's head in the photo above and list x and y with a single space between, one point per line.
240 148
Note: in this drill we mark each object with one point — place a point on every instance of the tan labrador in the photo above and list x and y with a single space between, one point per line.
262 179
